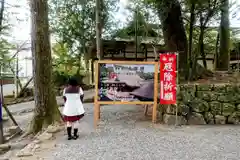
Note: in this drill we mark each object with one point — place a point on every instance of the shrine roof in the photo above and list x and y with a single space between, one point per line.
129 41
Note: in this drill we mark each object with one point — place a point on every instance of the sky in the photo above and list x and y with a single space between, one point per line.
21 29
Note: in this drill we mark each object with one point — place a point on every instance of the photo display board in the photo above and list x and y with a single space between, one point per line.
126 81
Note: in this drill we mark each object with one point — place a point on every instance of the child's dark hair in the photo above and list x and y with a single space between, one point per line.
73 81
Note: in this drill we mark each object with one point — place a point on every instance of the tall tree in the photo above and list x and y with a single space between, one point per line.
190 37
207 10
1 15
4 44
170 14
74 23
46 111
1 123
98 30
224 53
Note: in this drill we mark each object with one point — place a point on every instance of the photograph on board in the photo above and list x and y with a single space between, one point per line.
121 82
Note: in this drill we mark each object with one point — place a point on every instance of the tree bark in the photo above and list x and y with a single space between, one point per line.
86 59
98 29
201 46
1 15
174 32
190 41
1 98
224 52
216 57
46 111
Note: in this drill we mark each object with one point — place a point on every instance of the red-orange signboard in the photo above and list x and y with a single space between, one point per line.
168 76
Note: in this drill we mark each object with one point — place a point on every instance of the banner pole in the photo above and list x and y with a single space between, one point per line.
177 71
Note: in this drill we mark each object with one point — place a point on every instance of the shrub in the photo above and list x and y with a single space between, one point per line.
61 78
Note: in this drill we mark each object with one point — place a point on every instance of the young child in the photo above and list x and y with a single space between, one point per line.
73 109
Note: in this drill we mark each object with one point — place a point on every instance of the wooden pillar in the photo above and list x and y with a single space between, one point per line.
124 51
145 52
90 71
112 53
96 104
155 105
93 70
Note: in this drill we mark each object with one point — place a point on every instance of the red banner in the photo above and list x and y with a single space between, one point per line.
168 76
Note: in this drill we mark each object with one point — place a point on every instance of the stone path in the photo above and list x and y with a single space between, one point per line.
16 108
22 112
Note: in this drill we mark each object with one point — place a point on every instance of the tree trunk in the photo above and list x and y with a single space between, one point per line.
201 46
1 98
98 30
192 21
216 57
224 53
92 71
174 32
46 111
86 59
1 15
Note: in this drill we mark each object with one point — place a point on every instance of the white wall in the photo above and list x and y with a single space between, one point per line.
25 64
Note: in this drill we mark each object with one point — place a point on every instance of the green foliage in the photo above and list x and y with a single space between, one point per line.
210 35
73 22
61 56
138 26
5 46
61 78
65 65
4 49
5 58
63 61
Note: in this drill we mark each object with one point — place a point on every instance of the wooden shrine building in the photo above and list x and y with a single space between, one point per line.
125 49
147 50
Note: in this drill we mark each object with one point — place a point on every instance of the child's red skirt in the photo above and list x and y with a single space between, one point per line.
73 118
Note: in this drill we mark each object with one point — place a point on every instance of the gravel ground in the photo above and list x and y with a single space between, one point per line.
124 134
28 106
